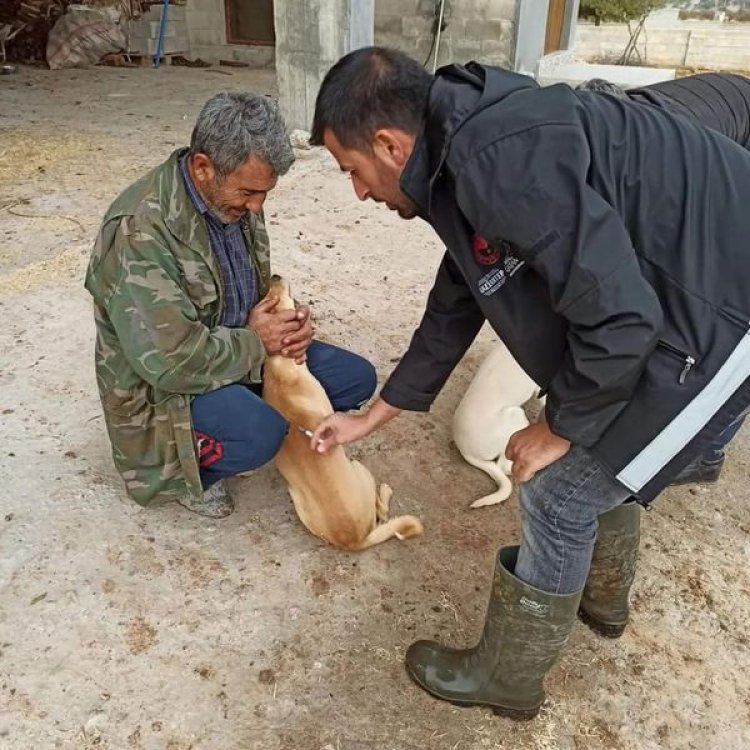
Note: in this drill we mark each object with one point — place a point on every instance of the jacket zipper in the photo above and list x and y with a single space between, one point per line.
688 360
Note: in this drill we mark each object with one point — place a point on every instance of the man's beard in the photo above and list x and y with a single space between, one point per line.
407 213
209 196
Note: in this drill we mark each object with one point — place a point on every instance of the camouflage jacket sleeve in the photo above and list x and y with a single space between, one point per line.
163 333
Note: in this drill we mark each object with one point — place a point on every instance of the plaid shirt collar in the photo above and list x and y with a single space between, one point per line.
192 191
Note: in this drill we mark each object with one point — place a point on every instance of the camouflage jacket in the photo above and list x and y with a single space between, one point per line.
158 297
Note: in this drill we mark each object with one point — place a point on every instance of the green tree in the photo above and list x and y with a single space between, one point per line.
619 11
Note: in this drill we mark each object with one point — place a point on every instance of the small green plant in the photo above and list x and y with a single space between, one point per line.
618 11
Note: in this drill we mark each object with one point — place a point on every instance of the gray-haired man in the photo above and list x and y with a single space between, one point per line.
179 275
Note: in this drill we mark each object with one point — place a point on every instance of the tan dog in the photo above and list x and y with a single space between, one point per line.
489 413
335 498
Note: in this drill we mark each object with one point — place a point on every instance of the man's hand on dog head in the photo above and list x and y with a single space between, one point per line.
534 448
285 332
295 345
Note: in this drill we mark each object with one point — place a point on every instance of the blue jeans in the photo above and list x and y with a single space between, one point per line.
238 431
559 511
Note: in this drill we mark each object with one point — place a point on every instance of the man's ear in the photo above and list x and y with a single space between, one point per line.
203 168
393 146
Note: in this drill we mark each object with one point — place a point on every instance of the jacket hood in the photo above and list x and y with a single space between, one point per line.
458 93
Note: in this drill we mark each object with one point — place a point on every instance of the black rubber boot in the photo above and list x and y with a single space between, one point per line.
524 632
700 471
605 601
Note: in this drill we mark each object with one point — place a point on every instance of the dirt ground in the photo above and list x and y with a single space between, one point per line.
156 629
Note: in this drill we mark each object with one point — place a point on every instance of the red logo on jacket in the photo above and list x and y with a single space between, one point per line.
484 253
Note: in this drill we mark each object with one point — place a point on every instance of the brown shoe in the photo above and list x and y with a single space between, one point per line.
216 502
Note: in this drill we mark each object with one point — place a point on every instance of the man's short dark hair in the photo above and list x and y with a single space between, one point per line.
368 89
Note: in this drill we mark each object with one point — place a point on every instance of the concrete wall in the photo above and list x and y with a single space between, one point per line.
477 29
689 44
310 37
484 30
206 24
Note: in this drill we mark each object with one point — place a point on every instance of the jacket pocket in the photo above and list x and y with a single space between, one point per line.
687 361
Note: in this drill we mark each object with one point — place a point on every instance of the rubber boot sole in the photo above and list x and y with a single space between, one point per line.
515 714
606 629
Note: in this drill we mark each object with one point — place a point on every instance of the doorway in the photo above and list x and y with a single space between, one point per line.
250 22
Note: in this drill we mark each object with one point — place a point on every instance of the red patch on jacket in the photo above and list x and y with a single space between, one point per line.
484 253
210 450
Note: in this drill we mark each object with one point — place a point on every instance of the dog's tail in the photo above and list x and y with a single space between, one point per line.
505 486
402 527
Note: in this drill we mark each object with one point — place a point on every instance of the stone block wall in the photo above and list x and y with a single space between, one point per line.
476 29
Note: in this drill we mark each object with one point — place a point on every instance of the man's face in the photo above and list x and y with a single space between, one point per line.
240 191
375 174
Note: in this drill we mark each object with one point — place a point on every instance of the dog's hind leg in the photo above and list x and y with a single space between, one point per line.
383 503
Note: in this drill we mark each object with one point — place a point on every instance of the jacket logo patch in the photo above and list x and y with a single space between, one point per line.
484 253
494 279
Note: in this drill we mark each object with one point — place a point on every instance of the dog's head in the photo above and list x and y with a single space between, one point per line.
279 287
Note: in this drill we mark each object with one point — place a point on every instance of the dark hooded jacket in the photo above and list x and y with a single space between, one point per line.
607 242
718 100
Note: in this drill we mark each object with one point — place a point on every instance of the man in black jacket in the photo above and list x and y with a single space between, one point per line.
606 241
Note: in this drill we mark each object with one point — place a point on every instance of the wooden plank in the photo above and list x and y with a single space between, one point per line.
555 21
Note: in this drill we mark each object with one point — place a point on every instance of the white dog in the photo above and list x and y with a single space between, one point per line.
489 413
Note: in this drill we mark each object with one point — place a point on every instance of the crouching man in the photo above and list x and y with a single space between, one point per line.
179 274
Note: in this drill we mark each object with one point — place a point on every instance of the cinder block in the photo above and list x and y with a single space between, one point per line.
469 47
496 48
496 53
456 30
415 26
150 29
170 46
201 19
174 13
206 6
207 37
388 24
478 30
400 8
505 9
